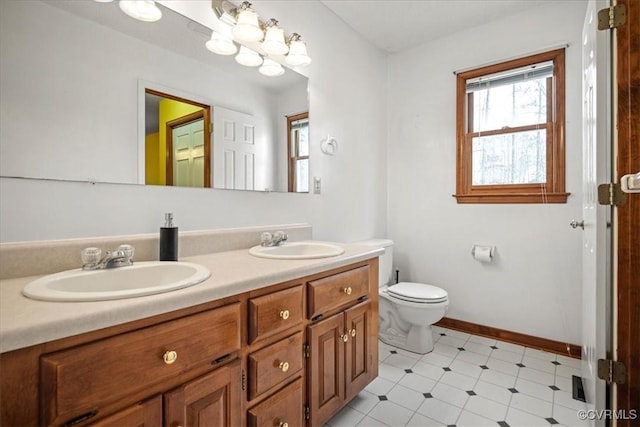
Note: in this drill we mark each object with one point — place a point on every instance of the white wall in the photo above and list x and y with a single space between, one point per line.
534 284
345 100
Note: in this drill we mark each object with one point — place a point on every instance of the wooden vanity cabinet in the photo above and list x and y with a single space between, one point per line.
343 347
291 354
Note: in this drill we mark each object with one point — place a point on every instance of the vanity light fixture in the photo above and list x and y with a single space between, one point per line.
220 44
273 43
271 68
247 28
142 10
248 57
297 52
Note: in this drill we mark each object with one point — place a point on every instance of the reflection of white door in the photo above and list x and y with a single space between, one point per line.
596 236
188 154
234 149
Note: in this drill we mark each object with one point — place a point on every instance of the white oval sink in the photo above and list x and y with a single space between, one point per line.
139 279
298 250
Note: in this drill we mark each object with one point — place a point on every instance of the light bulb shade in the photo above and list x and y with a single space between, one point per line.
273 43
271 68
142 10
247 28
220 44
298 54
248 57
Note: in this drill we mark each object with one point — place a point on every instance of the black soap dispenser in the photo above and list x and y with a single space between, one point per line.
168 239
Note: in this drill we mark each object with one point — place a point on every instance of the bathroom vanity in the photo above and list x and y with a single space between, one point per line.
260 343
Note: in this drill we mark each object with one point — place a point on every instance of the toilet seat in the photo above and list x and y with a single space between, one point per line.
417 292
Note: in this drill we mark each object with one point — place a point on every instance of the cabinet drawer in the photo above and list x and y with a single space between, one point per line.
274 364
283 407
275 312
334 291
83 379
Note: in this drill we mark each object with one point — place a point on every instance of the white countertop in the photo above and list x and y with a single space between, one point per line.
25 322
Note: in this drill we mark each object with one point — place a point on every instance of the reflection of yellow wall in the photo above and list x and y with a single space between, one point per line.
151 153
169 110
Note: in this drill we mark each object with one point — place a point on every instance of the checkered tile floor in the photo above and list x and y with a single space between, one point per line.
467 380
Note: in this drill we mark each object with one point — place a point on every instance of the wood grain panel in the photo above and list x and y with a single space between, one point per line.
338 290
284 407
267 313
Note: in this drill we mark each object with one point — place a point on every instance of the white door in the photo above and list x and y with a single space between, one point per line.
188 154
596 303
234 150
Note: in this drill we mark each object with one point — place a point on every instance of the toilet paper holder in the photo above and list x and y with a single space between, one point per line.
483 253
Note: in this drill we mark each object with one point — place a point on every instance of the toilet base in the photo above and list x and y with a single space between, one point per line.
418 340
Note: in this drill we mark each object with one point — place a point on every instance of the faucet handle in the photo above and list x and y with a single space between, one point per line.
266 238
280 236
91 255
127 250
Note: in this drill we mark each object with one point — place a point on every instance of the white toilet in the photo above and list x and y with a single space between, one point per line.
407 310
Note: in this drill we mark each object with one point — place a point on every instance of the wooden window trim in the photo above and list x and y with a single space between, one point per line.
553 191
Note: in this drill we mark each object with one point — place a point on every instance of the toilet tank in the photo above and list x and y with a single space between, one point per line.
385 269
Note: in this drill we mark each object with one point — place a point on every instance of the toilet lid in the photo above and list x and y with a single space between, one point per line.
418 292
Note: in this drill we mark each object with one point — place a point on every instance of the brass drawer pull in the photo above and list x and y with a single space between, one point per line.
284 366
353 332
347 290
284 314
283 424
169 357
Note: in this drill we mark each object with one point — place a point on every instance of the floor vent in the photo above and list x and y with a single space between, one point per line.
578 389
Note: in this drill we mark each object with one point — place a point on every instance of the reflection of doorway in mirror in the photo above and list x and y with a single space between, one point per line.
298 152
187 164
174 156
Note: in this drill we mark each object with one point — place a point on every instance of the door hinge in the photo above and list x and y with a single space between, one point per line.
307 412
612 17
612 371
611 194
244 381
306 351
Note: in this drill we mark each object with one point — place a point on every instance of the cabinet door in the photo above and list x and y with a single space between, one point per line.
144 414
361 362
325 368
209 401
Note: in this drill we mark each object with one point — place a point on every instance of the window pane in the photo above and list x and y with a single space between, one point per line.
302 176
516 158
518 104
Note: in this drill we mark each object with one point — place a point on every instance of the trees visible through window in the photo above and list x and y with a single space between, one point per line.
510 131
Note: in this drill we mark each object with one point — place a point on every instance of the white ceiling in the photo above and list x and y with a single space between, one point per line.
396 25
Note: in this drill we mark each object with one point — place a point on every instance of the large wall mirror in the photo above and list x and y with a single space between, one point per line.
90 94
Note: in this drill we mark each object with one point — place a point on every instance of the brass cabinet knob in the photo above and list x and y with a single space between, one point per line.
345 337
353 332
284 366
283 424
347 290
169 357
284 314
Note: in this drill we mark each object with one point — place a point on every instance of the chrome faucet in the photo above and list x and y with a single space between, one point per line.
275 239
92 258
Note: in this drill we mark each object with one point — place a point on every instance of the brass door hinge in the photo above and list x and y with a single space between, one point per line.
612 17
612 371
307 412
244 381
306 351
611 195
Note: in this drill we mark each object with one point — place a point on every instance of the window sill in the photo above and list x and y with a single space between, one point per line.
507 198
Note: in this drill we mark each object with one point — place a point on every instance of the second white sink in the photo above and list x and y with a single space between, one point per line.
139 279
298 250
